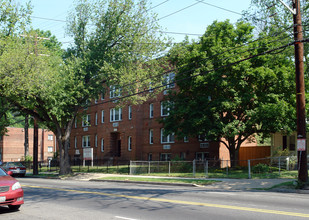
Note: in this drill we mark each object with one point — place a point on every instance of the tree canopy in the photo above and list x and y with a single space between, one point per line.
228 91
118 48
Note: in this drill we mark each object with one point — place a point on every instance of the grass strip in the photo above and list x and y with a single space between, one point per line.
161 180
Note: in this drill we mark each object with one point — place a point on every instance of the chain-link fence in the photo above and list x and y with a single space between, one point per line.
272 167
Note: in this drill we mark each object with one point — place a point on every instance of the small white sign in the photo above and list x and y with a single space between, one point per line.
88 153
301 144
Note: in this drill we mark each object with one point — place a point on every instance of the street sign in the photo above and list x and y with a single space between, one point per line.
301 144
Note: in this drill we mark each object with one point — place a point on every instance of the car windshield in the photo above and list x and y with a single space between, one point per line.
14 164
2 172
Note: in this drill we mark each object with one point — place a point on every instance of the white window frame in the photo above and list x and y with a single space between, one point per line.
170 138
129 143
167 156
164 109
130 112
86 120
185 139
50 137
151 110
169 80
75 142
150 136
102 144
102 116
115 113
50 149
114 91
86 140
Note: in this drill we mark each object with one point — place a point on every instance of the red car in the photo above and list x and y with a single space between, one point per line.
11 193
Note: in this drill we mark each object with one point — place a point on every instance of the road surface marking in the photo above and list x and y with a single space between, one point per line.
268 211
125 218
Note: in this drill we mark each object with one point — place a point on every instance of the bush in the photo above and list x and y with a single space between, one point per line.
260 168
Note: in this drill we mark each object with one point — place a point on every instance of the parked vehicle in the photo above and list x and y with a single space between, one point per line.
16 167
11 193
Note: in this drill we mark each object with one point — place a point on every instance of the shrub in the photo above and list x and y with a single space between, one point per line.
260 168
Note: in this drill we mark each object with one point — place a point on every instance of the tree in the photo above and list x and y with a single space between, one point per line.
226 96
117 48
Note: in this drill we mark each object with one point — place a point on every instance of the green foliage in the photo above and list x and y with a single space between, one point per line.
27 159
223 93
260 168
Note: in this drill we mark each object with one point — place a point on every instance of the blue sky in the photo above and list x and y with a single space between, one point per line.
178 16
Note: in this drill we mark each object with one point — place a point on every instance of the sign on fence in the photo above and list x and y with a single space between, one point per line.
88 153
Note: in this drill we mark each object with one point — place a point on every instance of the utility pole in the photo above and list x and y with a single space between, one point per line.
300 95
35 123
300 92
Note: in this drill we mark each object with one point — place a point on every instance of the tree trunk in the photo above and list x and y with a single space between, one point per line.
64 160
234 155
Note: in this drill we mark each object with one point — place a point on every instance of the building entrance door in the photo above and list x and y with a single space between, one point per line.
116 144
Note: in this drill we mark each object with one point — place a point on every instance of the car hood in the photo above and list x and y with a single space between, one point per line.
7 180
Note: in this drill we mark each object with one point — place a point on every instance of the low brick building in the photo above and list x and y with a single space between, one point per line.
12 144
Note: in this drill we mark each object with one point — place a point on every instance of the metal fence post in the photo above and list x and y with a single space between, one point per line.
148 167
279 165
130 167
227 167
288 163
206 168
249 170
169 167
194 167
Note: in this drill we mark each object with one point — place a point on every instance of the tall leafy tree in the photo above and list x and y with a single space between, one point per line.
226 96
114 44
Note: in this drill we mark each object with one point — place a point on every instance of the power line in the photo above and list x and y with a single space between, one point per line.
157 5
202 1
178 11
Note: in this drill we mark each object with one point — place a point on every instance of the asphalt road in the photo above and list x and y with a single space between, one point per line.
70 199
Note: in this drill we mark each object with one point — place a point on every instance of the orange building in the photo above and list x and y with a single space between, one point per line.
12 144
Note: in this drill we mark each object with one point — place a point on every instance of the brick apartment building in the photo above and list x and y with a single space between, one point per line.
134 133
12 144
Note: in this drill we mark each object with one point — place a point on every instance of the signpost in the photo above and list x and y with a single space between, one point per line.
88 155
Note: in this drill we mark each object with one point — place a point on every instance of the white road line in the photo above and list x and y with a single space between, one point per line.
120 217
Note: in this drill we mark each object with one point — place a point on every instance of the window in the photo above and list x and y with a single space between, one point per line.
50 149
164 108
114 92
115 114
202 137
75 123
96 118
96 101
50 137
151 136
102 144
103 94
165 157
86 120
151 110
167 138
75 142
185 139
182 155
129 143
202 155
96 140
169 80
130 112
86 141
102 116
150 156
